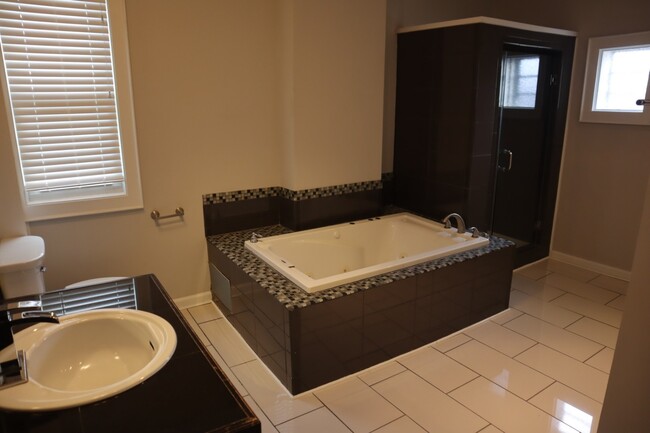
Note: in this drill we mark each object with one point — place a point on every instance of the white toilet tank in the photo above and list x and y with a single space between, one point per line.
21 266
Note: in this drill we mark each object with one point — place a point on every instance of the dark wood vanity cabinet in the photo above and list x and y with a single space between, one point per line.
450 137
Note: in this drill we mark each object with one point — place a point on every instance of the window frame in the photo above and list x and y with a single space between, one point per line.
587 114
132 199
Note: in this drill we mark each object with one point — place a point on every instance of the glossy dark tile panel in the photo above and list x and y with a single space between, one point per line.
240 215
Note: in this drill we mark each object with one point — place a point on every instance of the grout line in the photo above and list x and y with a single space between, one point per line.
543 389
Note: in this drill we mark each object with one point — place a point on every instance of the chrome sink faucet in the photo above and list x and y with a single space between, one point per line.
14 371
460 223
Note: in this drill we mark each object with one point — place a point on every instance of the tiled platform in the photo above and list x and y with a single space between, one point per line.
540 366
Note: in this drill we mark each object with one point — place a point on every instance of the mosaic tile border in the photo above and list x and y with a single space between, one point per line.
277 191
292 296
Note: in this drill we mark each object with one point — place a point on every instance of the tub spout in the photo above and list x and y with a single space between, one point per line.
460 223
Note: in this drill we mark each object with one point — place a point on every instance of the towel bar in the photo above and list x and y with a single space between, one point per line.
179 212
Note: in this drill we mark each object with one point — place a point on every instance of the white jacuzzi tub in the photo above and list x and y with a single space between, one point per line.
329 256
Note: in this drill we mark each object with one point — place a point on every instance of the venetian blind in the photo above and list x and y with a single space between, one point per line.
59 71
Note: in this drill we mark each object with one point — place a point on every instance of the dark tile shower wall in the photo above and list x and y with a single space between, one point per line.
297 210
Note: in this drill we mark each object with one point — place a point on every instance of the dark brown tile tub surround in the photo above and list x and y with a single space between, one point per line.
307 340
297 210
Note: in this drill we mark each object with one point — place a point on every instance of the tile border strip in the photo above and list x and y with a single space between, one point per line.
277 191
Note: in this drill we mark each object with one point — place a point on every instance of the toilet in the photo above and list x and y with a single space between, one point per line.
21 266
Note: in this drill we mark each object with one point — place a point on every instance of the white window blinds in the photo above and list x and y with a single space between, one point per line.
59 71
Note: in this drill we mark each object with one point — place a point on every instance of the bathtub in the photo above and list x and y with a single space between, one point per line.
326 257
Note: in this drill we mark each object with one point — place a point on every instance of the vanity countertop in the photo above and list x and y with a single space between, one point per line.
189 395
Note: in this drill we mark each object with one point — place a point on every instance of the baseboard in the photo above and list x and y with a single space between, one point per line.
193 300
611 271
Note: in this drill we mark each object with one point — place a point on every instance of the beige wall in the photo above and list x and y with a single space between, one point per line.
625 409
210 82
337 88
605 167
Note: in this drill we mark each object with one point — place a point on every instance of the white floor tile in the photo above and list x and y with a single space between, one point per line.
497 337
319 421
534 271
571 271
585 290
490 429
542 310
569 406
401 425
448 343
596 331
267 426
555 337
610 283
195 327
205 312
359 406
278 405
505 316
230 345
618 303
437 368
512 375
224 367
536 288
428 406
574 374
588 308
381 372
602 360
505 410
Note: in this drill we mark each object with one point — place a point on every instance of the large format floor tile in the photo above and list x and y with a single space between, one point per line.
437 368
569 406
537 288
571 271
497 337
542 310
596 331
448 343
585 307
381 372
357 405
276 403
319 421
610 283
575 374
585 290
505 410
554 337
534 271
402 425
428 406
229 344
512 375
602 360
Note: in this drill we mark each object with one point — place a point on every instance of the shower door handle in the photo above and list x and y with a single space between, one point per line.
508 166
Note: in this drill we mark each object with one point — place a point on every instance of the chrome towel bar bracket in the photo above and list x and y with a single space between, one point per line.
179 212
643 102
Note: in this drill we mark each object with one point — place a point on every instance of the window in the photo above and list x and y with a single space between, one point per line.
519 89
617 76
68 88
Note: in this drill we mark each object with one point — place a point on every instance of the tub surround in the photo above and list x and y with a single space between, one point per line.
237 210
173 400
308 339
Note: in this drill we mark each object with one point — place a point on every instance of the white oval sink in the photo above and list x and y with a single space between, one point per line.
87 357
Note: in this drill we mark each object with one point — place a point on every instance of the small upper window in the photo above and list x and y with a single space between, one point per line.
616 80
519 83
67 87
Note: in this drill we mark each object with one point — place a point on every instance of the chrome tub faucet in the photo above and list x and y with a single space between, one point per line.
460 223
